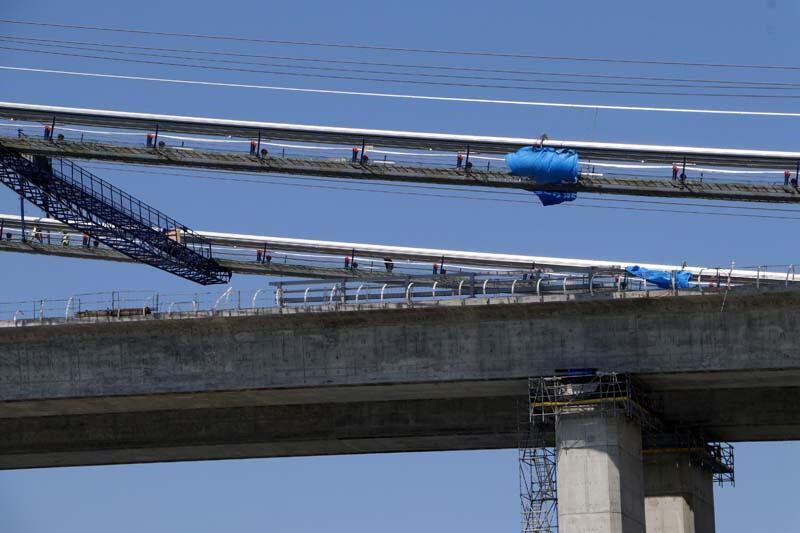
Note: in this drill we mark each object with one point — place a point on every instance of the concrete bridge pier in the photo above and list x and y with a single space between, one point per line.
679 496
600 473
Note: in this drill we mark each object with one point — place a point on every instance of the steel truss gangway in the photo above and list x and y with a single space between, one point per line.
346 169
595 151
92 206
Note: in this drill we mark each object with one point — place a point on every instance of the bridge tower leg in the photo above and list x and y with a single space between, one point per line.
679 496
600 475
618 467
678 485
597 420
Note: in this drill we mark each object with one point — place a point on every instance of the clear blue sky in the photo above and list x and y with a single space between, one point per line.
464 491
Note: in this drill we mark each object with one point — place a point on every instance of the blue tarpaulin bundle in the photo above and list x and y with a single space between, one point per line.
553 198
662 279
547 166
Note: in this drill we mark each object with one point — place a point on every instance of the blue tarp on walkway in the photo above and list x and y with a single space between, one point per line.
547 166
662 279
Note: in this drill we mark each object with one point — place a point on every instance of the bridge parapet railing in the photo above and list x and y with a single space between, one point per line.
334 294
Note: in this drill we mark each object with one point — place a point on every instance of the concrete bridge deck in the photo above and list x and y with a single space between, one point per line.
438 378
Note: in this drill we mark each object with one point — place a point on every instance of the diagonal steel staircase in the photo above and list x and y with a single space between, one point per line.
93 206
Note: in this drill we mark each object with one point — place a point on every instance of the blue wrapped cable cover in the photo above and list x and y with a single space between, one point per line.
662 279
547 166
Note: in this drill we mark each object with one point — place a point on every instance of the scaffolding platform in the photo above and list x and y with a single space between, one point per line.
581 391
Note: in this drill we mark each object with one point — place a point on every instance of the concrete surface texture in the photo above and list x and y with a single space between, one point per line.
383 380
679 496
599 469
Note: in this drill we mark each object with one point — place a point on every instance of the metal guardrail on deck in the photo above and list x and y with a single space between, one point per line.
346 295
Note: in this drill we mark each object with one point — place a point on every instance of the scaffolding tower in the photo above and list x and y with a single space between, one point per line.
109 215
611 394
537 470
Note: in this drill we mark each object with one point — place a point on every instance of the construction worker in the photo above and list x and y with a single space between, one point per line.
786 176
435 268
253 147
264 153
65 239
683 178
150 138
355 154
347 262
48 132
459 160
674 171
389 264
37 234
468 166
259 255
60 137
364 159
161 144
86 240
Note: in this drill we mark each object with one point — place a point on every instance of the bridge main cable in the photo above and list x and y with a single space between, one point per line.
596 151
378 252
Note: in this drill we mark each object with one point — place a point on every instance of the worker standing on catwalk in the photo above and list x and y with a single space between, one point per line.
674 171
459 160
786 176
355 154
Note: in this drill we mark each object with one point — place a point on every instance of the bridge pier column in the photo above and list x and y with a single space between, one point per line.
679 495
600 476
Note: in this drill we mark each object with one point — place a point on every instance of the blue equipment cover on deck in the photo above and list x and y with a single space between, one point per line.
546 165
662 279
